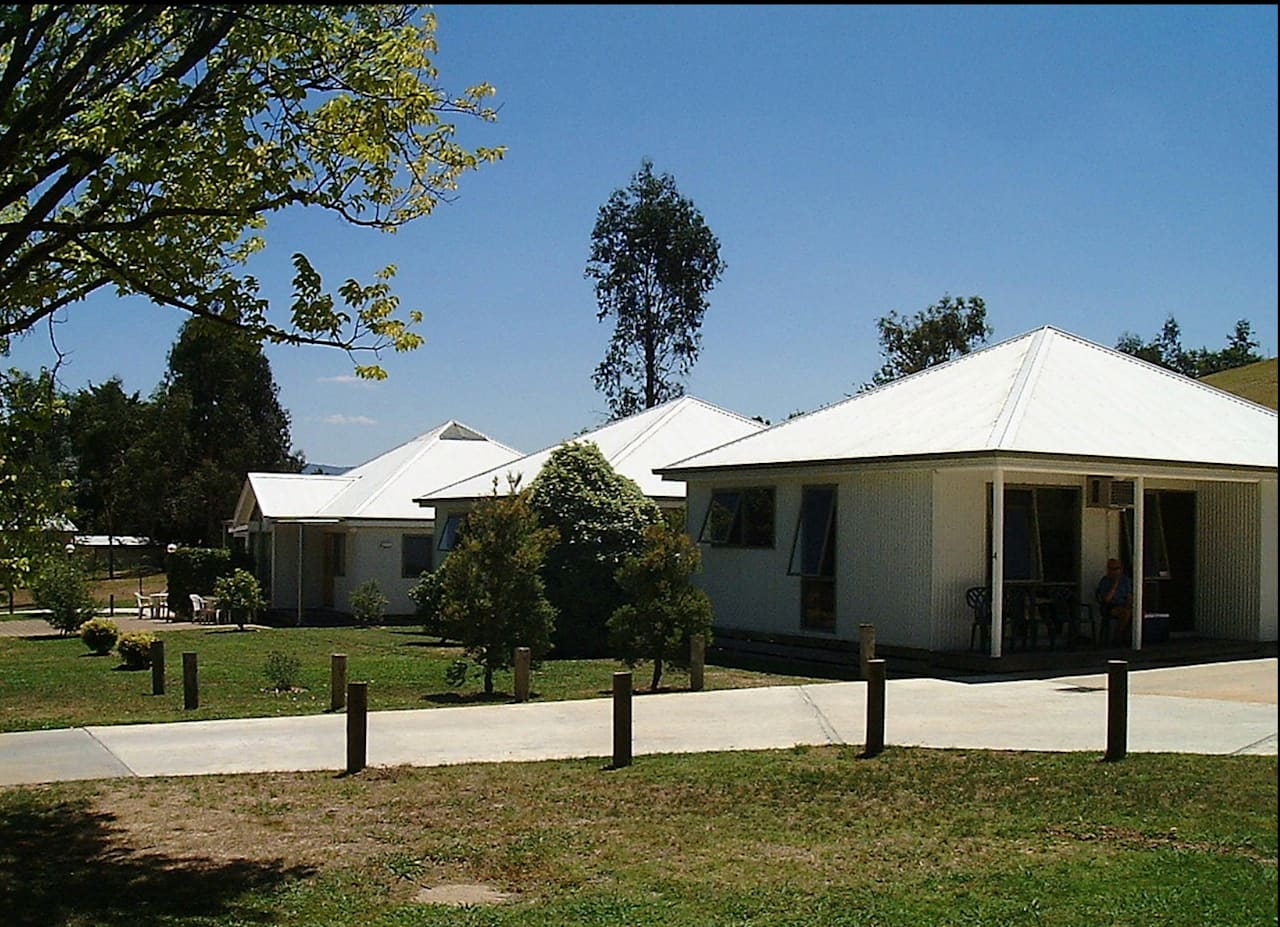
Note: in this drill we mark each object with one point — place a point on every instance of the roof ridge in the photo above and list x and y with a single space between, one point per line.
675 406
1016 400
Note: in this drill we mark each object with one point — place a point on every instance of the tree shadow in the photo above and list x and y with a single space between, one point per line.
468 698
62 862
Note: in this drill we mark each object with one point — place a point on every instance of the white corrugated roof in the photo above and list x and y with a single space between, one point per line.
383 487
1045 392
634 447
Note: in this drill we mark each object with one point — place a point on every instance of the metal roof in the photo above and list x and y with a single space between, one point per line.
1044 392
381 488
634 447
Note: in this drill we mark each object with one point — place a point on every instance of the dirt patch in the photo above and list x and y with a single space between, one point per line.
463 894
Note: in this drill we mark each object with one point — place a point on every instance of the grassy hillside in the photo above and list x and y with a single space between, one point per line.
1255 382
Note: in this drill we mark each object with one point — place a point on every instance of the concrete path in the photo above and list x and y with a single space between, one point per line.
1211 709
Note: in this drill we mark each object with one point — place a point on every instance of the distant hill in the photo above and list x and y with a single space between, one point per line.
326 469
1255 382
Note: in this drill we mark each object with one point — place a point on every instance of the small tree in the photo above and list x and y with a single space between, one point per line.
368 604
600 516
491 593
63 589
664 610
241 595
425 594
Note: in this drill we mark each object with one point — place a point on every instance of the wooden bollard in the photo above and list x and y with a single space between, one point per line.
357 725
111 605
524 659
1117 709
866 646
621 720
190 681
697 662
337 681
875 708
157 667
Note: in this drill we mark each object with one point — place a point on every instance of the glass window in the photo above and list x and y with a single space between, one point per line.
1155 551
813 548
813 558
415 555
1041 534
449 533
739 517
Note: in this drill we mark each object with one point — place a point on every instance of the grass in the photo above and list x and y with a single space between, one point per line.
53 682
809 837
1255 382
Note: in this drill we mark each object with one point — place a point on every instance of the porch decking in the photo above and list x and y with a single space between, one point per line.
838 659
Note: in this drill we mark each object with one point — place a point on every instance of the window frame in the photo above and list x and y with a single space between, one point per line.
828 536
740 531
1036 525
449 534
817 589
405 572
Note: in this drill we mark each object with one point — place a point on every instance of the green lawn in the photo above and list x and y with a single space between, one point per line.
810 837
54 682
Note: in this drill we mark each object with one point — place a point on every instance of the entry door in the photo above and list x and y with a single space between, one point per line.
335 564
1169 554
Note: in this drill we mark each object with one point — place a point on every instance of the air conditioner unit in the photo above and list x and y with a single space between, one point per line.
1104 492
1122 494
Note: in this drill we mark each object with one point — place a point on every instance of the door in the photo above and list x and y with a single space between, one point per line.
335 564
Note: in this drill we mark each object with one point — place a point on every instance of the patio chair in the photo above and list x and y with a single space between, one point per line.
201 613
1016 617
144 604
979 599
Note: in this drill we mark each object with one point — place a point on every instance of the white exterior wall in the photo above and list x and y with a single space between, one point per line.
1269 556
883 547
1228 601
885 551
284 566
374 552
749 587
959 553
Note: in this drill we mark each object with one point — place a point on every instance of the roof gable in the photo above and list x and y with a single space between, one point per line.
634 446
380 488
1043 392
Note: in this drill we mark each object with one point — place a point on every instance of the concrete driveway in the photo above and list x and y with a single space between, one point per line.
1225 708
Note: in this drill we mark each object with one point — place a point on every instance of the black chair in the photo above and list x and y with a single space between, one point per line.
1064 616
979 599
1017 617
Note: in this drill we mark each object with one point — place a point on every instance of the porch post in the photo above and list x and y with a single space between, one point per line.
1139 568
299 574
997 563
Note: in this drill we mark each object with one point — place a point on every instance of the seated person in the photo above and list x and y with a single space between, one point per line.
1114 595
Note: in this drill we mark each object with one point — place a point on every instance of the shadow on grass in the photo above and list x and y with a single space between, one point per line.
468 698
63 863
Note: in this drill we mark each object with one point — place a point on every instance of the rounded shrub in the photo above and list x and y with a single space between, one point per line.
99 635
135 649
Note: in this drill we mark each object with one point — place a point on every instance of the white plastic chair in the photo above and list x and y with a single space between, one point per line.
144 604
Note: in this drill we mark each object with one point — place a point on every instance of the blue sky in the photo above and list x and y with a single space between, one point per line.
1092 168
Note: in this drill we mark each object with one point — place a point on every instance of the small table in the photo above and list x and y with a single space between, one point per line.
159 605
